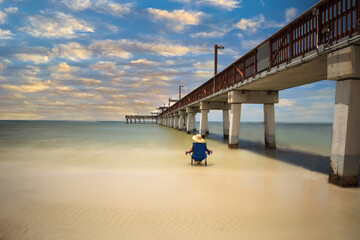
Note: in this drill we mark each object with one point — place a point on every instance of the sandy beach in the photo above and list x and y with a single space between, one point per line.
251 198
149 190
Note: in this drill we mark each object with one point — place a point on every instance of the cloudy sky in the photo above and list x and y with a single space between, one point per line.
102 59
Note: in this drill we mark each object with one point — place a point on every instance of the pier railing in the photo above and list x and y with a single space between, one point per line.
324 23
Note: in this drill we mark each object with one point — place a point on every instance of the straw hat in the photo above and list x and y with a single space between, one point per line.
197 138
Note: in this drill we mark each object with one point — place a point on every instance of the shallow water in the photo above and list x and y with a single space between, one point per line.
109 180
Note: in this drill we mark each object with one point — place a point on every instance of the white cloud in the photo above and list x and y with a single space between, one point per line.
2 17
110 7
62 71
6 34
11 10
110 48
248 44
103 66
77 5
285 102
63 68
101 6
143 61
57 25
36 58
30 86
204 65
3 14
262 2
90 81
2 67
290 14
72 51
205 74
211 34
177 19
250 24
225 4
124 47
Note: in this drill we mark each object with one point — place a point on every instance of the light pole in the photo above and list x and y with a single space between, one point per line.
216 47
180 92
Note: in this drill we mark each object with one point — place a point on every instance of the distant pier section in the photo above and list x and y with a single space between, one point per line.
141 119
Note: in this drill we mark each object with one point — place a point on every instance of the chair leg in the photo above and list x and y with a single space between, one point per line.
192 162
205 161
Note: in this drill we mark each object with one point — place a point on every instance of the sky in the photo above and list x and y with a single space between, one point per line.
98 60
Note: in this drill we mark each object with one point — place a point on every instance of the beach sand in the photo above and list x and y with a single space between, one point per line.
128 193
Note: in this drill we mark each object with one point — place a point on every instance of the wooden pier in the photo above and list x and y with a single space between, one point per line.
141 119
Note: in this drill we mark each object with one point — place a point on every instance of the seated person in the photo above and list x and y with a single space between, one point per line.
198 148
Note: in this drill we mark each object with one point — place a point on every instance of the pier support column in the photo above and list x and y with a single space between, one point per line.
269 125
204 123
194 122
343 66
188 123
176 121
234 125
226 123
181 119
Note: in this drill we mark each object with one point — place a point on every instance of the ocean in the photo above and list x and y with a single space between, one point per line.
112 180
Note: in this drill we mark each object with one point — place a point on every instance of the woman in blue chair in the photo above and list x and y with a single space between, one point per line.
199 150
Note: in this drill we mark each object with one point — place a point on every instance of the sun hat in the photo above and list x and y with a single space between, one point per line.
197 138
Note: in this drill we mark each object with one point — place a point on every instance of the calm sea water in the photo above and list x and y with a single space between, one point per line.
307 137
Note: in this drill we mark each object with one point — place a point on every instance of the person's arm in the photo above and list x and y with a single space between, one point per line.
189 151
209 151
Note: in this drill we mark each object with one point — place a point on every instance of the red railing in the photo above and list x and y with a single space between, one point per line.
335 19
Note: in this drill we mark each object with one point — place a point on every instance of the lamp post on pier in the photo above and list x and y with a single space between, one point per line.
180 91
216 47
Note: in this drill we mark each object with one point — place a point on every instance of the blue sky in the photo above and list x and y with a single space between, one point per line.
102 59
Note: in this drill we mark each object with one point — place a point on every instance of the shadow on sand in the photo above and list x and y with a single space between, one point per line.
310 161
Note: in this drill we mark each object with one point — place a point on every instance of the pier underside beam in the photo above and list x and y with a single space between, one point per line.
343 65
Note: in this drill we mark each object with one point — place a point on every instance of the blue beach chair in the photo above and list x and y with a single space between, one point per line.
199 153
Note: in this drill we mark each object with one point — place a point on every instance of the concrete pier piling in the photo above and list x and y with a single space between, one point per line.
344 66
226 123
194 122
181 119
234 125
269 125
204 123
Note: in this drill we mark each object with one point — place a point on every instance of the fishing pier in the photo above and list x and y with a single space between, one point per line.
322 43
140 119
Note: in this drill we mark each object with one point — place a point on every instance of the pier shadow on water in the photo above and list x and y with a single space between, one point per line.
308 160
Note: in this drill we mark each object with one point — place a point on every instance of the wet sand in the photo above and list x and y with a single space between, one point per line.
128 193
